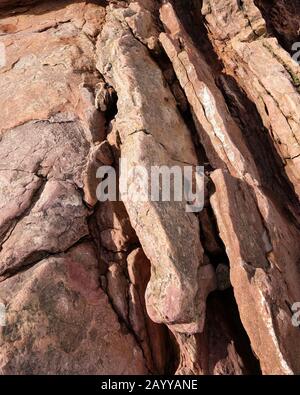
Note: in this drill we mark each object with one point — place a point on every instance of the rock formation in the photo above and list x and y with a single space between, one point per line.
133 286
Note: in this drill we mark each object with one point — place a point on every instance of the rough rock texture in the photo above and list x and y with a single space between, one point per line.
59 320
268 244
263 298
218 349
152 132
148 332
55 321
239 35
282 18
145 287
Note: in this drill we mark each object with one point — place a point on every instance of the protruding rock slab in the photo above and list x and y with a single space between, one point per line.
264 292
152 132
221 137
264 70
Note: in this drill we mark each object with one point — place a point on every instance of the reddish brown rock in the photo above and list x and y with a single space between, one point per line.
264 70
173 246
57 215
50 149
45 231
83 84
282 18
116 232
117 290
44 53
220 349
263 285
222 139
59 321
154 336
219 134
141 20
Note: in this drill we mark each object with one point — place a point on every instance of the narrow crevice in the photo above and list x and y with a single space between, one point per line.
173 354
219 255
224 300
189 13
36 257
224 304
126 325
95 232
103 269
112 109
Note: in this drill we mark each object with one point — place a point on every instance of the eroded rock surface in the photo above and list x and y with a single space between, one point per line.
55 321
151 133
264 300
145 287
59 319
240 37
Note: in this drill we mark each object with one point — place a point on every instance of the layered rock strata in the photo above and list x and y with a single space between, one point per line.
143 287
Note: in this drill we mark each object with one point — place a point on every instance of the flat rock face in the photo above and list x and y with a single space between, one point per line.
53 315
58 318
42 209
130 285
49 65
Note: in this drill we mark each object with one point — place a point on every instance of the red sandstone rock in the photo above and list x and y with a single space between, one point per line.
59 319
55 322
144 287
262 296
222 139
152 132
153 335
264 70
